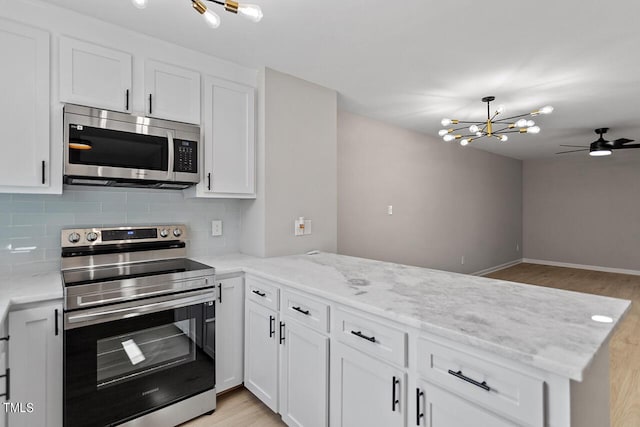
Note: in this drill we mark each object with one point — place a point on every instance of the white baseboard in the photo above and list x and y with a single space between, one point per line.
497 267
582 266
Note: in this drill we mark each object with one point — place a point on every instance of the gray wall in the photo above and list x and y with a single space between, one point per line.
30 224
298 168
448 201
583 210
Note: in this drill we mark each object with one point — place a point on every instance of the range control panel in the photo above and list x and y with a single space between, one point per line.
186 156
116 235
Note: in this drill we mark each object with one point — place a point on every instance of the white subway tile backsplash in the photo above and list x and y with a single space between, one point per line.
32 223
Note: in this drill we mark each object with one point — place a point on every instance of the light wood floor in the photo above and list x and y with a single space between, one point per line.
625 344
241 409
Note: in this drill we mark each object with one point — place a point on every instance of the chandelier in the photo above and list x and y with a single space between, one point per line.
249 11
494 126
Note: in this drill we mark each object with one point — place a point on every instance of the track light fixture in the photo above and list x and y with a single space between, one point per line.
250 11
493 126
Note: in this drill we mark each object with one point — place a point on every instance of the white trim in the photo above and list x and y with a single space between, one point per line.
497 267
582 266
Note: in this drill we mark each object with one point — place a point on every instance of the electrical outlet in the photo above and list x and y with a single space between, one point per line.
216 227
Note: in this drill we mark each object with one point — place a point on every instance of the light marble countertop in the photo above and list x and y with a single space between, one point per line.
542 327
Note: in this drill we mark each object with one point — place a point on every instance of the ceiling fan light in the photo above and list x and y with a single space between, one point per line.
599 152
140 4
250 11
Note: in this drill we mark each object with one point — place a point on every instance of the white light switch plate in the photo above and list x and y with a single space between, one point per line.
216 227
307 226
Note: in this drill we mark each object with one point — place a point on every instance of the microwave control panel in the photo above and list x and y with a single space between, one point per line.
186 156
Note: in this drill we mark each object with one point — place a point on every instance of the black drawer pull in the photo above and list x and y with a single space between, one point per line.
150 105
272 326
281 332
209 181
299 310
55 316
363 336
394 400
483 385
7 384
43 170
260 294
419 414
126 102
220 293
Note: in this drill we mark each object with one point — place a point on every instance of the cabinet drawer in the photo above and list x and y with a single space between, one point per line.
262 292
307 310
492 386
371 337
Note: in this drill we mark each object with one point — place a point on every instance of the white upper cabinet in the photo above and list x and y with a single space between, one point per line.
229 140
94 75
24 109
171 92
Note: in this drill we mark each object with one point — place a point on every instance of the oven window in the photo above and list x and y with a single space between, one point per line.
125 357
105 147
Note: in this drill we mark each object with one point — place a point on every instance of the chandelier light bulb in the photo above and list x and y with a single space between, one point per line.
501 109
445 122
212 19
547 109
250 11
504 138
140 4
443 132
448 137
478 133
521 123
473 128
533 129
464 142
530 123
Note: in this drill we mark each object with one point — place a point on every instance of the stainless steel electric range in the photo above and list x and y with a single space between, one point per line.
139 335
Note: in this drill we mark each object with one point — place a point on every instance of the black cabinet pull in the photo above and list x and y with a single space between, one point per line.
299 310
272 326
363 336
126 100
281 332
209 181
220 293
483 385
56 322
394 399
7 384
43 166
419 414
260 294
5 338
150 105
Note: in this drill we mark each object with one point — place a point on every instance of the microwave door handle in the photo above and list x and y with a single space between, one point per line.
171 155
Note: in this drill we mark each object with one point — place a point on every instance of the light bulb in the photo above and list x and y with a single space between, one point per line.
445 122
250 11
533 129
443 132
448 137
530 123
501 109
547 109
478 133
473 128
464 142
600 153
521 123
211 18
140 4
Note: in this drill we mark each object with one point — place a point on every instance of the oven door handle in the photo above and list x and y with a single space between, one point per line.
133 309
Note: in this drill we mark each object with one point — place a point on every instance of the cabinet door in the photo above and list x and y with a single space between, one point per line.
229 139
229 333
24 108
304 369
35 360
94 75
261 353
438 408
172 93
365 391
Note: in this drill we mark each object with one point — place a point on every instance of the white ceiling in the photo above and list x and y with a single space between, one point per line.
414 62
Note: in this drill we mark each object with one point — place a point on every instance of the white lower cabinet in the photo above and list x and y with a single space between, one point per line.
438 408
35 361
261 353
365 391
229 333
304 376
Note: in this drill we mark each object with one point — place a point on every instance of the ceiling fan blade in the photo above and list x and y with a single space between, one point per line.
577 146
573 151
627 146
622 141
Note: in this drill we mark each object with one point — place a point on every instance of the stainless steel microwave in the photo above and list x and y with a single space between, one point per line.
107 148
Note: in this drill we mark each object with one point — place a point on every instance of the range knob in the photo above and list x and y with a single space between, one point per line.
177 232
164 232
74 237
92 236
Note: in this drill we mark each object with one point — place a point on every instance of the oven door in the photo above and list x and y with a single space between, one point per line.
125 360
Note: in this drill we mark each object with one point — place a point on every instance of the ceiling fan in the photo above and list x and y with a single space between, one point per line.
602 147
